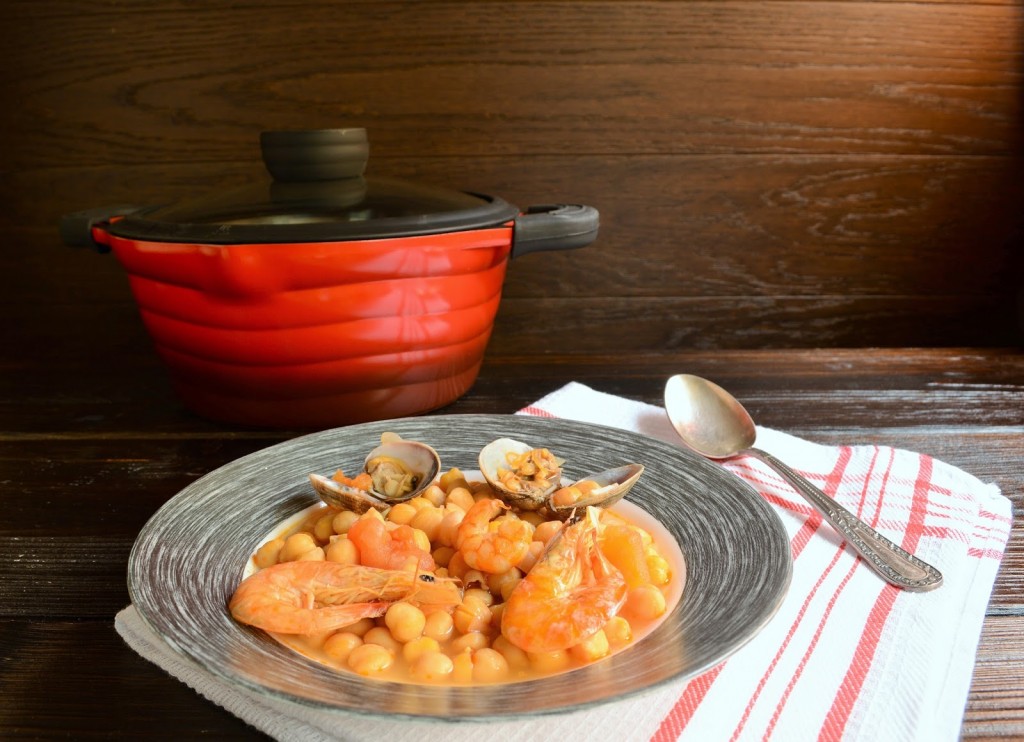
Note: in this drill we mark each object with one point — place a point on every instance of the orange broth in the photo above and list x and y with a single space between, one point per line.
478 667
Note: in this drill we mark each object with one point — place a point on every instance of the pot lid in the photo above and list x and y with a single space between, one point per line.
316 193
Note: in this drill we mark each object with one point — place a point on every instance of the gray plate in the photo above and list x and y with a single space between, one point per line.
189 558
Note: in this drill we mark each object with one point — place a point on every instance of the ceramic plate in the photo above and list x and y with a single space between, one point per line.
190 556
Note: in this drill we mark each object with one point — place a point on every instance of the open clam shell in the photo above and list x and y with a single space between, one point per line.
399 470
527 490
612 486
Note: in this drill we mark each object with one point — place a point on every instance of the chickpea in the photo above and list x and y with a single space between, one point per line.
546 530
503 584
472 614
549 662
460 497
618 631
414 648
442 555
420 502
471 640
439 626
489 666
462 668
421 539
296 545
515 657
313 555
268 554
323 529
659 569
566 496
480 593
645 602
451 479
435 495
339 645
373 513
472 578
380 636
594 647
342 551
370 659
428 520
448 528
359 628
432 666
405 621
481 489
532 517
457 566
532 555
402 513
496 612
343 521
311 518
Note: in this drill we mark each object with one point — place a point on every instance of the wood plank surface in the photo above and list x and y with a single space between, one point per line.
155 701
846 173
64 567
626 77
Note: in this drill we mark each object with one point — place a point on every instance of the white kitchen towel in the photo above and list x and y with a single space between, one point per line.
847 657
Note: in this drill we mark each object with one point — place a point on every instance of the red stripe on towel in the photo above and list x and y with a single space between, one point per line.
849 690
831 486
536 411
679 716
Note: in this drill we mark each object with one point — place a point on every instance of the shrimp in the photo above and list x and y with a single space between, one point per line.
309 597
387 548
493 547
569 595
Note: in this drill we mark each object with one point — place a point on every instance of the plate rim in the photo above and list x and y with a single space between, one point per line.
757 504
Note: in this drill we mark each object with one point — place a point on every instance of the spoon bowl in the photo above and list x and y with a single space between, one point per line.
714 424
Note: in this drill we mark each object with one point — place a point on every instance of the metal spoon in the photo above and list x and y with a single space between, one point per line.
715 425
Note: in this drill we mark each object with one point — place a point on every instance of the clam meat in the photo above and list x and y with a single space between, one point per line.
522 475
395 471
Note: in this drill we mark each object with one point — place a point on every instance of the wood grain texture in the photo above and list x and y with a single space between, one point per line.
845 173
146 697
627 77
91 658
119 446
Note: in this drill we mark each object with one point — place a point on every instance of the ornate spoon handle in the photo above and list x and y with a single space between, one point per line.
893 563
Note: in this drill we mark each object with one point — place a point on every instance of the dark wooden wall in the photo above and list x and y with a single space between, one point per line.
769 173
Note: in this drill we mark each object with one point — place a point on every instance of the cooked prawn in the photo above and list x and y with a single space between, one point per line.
308 597
493 546
569 595
388 548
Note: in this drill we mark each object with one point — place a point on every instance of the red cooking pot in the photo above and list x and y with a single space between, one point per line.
323 297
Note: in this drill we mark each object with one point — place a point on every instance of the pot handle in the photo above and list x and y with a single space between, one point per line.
554 227
76 228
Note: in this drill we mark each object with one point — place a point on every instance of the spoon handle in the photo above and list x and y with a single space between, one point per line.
893 563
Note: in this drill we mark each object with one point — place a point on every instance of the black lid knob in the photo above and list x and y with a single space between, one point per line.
315 154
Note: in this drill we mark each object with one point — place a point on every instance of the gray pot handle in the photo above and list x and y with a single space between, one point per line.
76 228
554 227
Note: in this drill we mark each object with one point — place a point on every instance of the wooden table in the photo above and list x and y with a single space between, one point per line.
94 442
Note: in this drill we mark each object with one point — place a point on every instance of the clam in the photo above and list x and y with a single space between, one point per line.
395 471
600 490
522 475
